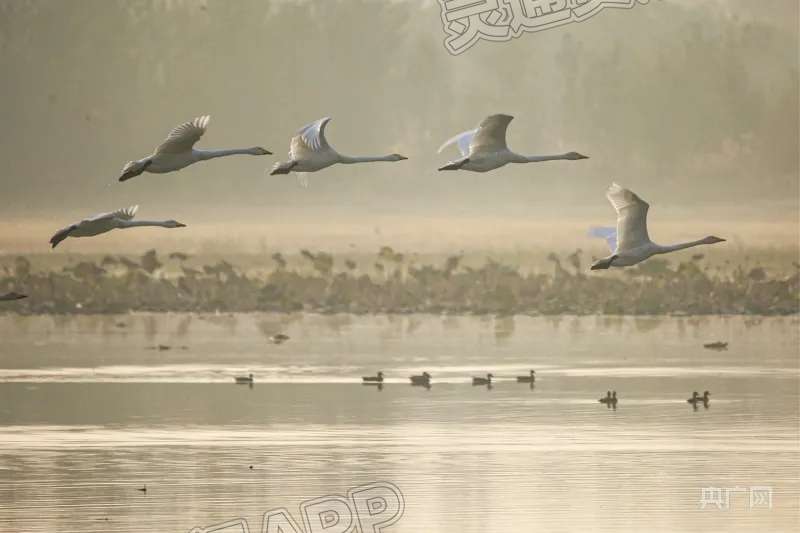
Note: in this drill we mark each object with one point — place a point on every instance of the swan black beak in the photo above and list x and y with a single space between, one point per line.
403 158
181 225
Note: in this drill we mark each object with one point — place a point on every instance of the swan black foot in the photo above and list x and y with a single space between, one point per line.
283 168
455 165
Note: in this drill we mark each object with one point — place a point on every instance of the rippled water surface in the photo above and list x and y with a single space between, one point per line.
91 409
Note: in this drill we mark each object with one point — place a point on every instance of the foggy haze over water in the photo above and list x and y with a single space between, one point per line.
692 105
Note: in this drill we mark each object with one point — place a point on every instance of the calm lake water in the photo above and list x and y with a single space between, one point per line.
90 411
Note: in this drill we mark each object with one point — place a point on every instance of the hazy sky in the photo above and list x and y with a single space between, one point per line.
694 105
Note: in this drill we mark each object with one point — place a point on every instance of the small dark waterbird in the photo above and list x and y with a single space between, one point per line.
373 379
279 338
527 379
697 399
423 379
244 380
610 398
718 345
483 381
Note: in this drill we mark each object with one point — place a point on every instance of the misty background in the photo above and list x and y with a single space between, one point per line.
693 105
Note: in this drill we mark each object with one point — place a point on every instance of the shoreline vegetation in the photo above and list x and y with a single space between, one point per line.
392 283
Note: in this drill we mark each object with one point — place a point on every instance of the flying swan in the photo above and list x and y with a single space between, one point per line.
105 222
633 242
177 151
484 148
309 151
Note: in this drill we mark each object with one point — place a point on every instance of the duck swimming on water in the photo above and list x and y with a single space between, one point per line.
696 399
483 381
368 380
421 380
527 379
610 399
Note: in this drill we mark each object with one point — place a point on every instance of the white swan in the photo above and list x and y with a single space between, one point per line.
485 148
177 151
105 222
633 243
309 151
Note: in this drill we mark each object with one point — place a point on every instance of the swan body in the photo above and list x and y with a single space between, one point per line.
633 244
105 222
278 338
484 148
309 151
177 151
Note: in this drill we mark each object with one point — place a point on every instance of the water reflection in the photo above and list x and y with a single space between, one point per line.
88 415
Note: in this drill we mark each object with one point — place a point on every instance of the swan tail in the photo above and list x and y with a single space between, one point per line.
282 168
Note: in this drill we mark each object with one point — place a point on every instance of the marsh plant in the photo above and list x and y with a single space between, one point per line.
390 282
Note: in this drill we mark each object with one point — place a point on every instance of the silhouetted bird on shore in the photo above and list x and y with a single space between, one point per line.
12 296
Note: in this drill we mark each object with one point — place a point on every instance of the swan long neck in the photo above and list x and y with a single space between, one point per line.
540 158
140 223
680 246
349 160
211 154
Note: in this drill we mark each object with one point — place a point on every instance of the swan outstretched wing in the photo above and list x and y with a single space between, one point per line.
491 134
184 137
309 139
462 141
126 213
631 217
607 234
